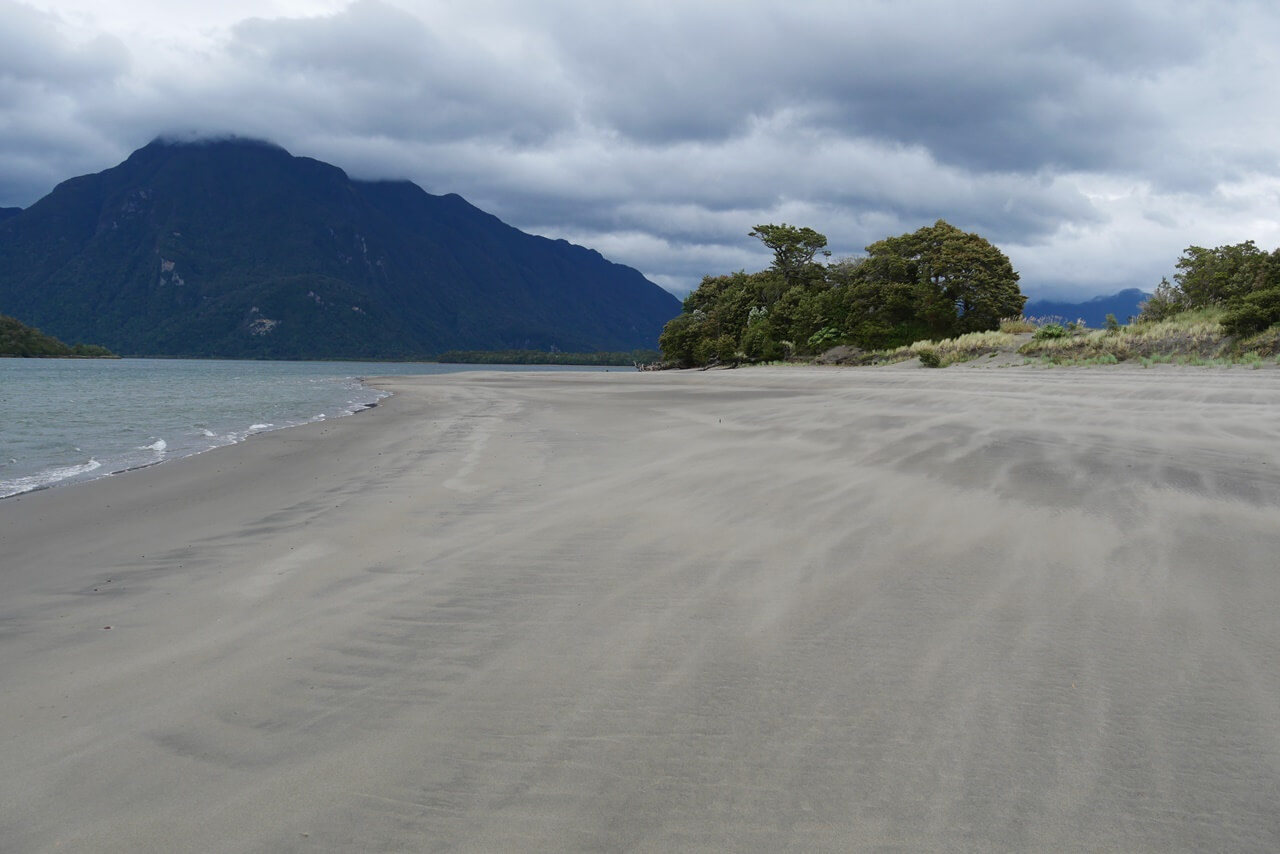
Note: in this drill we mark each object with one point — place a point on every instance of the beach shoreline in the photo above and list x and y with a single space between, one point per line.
756 610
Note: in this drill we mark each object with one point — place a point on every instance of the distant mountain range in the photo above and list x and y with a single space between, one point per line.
1093 312
238 249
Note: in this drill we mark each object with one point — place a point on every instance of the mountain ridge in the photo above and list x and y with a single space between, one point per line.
1123 304
236 248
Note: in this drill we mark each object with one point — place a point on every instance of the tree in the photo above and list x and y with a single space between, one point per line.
879 310
18 339
1164 302
933 283
958 281
793 248
1207 277
1259 308
1213 276
797 315
681 336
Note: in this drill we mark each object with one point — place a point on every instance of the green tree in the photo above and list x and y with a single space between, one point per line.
1213 276
18 339
958 281
1259 308
935 282
1208 277
721 349
797 314
681 337
793 248
1164 302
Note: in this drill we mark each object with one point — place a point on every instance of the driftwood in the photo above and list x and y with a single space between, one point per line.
715 362
668 366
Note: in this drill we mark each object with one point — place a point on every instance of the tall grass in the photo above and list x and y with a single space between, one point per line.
1192 334
961 349
1190 338
1017 325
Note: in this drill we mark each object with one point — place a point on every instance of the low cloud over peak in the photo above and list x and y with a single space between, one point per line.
1090 140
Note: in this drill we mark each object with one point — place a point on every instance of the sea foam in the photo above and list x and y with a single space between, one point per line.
48 477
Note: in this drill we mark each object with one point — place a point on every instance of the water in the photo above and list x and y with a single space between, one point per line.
68 420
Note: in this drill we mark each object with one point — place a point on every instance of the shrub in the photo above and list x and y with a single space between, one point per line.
723 349
930 358
825 337
1252 313
1050 330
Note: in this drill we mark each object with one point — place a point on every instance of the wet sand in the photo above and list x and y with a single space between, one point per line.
760 610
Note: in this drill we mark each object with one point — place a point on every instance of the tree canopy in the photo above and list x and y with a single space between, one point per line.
18 339
1241 277
964 283
932 283
793 248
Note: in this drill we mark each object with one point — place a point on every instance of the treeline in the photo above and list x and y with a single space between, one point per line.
541 357
18 339
934 283
1242 279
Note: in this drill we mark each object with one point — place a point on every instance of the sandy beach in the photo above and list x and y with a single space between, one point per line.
774 609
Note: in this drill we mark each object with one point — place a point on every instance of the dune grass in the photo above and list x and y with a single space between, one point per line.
952 350
1190 338
1017 325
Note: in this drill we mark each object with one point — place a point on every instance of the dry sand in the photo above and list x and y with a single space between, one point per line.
762 610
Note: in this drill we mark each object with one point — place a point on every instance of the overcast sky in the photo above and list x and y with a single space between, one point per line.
1091 140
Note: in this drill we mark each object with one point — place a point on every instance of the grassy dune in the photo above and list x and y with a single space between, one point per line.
1191 338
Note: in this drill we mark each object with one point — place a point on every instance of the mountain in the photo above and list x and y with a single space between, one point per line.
237 249
5 213
1123 305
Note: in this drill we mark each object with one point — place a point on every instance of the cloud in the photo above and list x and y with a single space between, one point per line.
1092 140
373 69
36 50
47 74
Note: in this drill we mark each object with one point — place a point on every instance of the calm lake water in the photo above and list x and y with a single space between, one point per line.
66 420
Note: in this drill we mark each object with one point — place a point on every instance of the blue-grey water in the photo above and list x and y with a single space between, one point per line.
67 420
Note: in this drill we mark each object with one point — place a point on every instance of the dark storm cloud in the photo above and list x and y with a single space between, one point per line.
377 70
44 79
1014 89
1003 87
1092 140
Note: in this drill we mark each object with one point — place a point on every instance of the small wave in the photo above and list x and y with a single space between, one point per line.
208 434
159 446
256 427
45 478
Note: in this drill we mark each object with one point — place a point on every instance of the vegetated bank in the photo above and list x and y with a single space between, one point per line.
1188 338
1222 307
935 283
939 295
18 339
